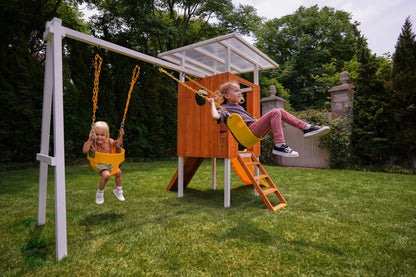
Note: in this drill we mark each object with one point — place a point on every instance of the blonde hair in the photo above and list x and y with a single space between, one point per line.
102 125
224 88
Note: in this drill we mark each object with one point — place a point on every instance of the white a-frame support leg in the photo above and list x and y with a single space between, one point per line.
53 97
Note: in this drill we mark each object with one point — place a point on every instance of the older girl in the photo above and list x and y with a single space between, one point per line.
229 96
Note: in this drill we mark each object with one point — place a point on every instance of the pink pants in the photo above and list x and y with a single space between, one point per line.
272 121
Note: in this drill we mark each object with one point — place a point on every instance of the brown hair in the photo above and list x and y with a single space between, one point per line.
224 88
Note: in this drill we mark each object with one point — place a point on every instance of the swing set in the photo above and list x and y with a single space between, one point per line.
116 157
219 58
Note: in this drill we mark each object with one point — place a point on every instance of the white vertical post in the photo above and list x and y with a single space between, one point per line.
180 176
59 149
228 60
46 124
181 159
256 74
227 175
213 173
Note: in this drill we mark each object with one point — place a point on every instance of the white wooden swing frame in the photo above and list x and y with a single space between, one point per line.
53 104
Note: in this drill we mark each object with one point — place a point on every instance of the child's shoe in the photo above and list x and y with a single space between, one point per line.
316 131
285 151
119 194
99 198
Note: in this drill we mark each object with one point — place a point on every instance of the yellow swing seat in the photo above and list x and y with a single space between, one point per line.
240 131
117 156
115 159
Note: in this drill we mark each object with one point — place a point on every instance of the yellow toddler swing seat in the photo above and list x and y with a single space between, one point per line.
114 159
117 156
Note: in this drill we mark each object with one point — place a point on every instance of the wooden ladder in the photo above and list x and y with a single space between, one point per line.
255 180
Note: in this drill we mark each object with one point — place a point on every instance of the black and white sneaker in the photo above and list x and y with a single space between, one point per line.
285 151
316 131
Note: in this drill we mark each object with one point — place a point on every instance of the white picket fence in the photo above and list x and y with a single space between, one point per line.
310 155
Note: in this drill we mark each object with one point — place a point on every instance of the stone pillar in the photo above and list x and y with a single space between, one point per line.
342 96
271 101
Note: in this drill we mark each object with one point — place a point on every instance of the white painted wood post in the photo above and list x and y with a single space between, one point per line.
180 176
53 97
181 159
227 175
213 173
46 123
59 146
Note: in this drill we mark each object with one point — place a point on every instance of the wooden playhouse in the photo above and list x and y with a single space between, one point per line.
198 135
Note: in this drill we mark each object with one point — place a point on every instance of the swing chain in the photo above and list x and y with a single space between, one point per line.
93 132
97 64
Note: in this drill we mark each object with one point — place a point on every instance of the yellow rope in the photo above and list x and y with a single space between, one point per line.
97 64
192 89
136 73
207 90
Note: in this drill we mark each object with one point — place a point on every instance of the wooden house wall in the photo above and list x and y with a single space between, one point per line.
198 134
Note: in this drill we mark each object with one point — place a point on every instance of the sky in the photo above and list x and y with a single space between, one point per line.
381 21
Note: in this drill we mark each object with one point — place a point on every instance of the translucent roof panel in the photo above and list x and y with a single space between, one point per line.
228 53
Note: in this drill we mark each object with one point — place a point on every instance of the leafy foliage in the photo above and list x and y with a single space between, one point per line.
21 73
301 43
371 134
404 94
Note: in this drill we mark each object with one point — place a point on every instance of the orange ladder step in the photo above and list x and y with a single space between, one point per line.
258 177
254 179
280 206
268 191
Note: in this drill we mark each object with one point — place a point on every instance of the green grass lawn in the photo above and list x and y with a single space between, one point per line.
337 223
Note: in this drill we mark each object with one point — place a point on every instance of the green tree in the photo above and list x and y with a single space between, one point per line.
371 134
404 93
157 26
330 76
22 24
301 43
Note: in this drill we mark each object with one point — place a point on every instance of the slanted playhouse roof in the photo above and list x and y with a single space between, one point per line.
228 53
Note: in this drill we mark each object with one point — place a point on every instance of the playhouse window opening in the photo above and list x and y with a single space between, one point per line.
199 100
